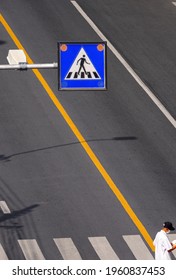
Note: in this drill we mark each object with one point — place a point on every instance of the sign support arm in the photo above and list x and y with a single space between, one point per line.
25 66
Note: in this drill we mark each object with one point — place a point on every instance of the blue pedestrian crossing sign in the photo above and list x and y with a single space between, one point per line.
82 66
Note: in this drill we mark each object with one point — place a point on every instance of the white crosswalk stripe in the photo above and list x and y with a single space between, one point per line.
103 248
3 255
5 209
31 249
67 249
138 247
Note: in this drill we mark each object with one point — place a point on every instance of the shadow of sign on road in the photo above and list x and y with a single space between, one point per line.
123 138
15 214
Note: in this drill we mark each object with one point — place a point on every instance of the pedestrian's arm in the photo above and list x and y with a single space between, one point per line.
173 247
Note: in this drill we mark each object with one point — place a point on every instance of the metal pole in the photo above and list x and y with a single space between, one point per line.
25 66
9 67
43 65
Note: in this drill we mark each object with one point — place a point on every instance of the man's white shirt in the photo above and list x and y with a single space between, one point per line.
162 245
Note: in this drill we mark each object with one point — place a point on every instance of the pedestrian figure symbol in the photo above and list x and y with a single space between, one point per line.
81 62
82 68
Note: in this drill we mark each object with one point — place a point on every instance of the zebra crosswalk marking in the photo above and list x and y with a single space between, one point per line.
3 255
103 248
5 209
90 75
100 244
67 249
171 238
31 249
138 247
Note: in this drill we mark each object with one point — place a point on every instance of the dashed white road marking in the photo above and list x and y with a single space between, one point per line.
5 209
31 249
3 255
138 247
103 248
126 65
67 249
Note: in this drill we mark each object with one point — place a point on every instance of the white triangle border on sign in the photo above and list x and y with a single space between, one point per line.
92 73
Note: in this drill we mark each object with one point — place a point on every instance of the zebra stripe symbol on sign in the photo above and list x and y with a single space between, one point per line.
82 68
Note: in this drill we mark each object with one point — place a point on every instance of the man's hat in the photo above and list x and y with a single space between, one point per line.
168 225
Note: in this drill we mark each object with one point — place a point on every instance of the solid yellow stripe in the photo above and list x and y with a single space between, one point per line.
82 141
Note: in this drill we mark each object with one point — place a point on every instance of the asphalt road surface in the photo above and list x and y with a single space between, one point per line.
107 196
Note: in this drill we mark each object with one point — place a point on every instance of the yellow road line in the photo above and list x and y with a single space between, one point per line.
82 141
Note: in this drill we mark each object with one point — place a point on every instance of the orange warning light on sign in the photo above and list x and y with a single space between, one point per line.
63 48
100 47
